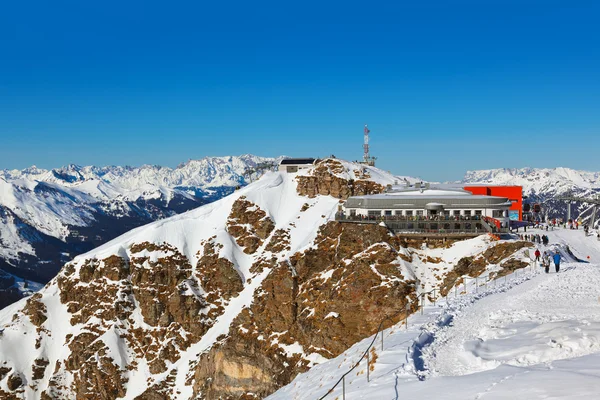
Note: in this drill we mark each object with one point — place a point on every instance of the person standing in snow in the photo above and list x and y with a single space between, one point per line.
546 262
537 254
556 258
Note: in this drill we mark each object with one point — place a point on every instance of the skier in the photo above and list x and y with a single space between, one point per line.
556 258
537 254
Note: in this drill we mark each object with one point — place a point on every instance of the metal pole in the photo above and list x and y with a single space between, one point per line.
381 340
368 366
476 284
434 296
465 285
422 303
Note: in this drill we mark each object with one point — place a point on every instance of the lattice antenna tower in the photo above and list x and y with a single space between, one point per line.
366 157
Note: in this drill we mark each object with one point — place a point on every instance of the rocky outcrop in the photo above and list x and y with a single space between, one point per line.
317 305
102 295
324 180
249 225
475 266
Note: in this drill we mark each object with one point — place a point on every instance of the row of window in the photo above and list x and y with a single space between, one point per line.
409 213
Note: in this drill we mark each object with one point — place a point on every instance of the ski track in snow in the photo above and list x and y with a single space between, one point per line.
535 337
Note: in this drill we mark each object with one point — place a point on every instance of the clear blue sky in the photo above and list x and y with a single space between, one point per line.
445 86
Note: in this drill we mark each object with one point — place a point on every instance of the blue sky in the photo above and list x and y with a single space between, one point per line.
445 86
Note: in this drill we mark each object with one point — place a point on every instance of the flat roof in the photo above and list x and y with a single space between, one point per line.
418 199
297 161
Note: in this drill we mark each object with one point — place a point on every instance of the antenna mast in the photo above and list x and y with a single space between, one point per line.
367 159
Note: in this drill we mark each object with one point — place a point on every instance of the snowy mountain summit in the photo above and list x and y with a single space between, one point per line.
233 299
49 216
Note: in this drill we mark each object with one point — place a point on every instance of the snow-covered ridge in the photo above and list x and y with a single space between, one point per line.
48 216
537 180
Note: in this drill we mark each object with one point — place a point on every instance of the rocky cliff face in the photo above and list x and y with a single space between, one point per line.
229 301
331 178
309 308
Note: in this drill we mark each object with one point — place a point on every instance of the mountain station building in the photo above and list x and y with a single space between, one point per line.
433 210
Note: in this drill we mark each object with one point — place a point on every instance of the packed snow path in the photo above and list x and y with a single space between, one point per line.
536 337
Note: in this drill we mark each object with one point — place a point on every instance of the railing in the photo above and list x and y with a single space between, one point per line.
365 355
407 218
421 306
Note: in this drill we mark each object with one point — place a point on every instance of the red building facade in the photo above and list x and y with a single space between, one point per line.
513 193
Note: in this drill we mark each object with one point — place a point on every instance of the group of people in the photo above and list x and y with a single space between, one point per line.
547 258
543 239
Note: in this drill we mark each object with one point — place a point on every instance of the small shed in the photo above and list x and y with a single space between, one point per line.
292 165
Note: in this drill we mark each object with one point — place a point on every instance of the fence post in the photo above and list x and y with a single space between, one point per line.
434 301
465 284
368 366
422 303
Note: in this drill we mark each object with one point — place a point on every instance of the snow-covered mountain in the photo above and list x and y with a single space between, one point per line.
49 216
232 299
544 186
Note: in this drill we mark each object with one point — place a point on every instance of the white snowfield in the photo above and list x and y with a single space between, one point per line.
537 336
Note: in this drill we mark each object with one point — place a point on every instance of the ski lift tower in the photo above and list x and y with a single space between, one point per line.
595 202
367 158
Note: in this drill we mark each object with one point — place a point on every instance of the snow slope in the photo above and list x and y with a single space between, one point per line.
537 336
49 216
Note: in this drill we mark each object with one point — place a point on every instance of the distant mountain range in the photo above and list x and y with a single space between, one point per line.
49 216
545 186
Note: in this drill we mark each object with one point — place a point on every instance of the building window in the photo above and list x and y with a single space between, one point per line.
456 213
388 213
477 212
409 213
447 213
420 213
375 213
353 213
467 213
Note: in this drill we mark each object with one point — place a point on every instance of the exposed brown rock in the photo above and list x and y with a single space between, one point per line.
36 310
352 273
475 266
249 225
14 382
39 368
323 181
